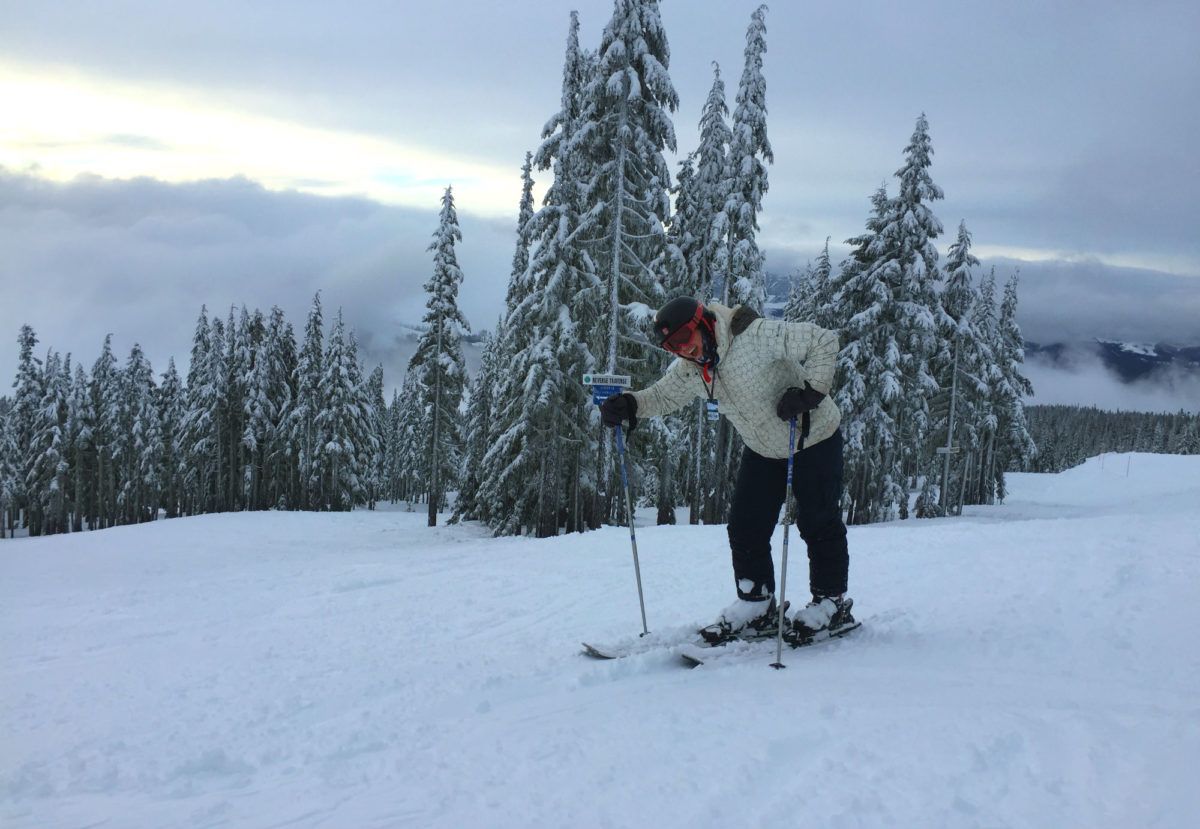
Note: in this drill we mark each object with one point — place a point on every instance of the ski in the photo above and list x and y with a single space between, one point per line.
693 656
683 638
636 645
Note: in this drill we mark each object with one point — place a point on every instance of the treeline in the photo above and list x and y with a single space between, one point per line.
263 422
608 245
1068 435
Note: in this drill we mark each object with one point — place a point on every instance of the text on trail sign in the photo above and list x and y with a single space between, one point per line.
620 380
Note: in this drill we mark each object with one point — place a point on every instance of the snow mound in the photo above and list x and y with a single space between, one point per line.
1115 479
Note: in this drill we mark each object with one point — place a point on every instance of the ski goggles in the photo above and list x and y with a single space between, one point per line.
677 339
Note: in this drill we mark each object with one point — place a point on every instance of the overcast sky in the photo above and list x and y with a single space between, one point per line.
160 155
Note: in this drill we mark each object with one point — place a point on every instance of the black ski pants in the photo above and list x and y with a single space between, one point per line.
757 497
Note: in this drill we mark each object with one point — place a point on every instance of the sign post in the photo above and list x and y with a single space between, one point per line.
605 386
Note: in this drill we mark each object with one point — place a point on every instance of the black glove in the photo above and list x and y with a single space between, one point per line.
798 401
619 408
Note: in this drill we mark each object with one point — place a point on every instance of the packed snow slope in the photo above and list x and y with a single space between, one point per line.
1028 665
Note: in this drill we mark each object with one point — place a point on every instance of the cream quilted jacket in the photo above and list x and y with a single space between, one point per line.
754 369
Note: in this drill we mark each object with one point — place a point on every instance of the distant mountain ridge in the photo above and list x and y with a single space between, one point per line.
1129 361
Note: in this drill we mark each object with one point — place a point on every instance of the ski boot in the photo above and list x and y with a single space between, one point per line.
744 620
824 615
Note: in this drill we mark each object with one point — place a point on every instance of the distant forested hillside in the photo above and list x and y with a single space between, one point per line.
1068 435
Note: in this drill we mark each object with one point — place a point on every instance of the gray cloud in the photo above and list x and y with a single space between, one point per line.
1062 126
1074 301
1085 381
139 258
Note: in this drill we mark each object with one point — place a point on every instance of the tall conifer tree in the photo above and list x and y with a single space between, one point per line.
306 436
46 476
80 420
748 151
106 403
171 415
439 359
335 421
627 120
713 190
870 374
28 389
1015 447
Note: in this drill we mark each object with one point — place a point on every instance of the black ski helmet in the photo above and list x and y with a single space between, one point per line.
680 312
674 315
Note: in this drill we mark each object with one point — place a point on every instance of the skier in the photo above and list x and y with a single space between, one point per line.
760 374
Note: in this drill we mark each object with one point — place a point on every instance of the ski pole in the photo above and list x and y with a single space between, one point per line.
787 497
637 569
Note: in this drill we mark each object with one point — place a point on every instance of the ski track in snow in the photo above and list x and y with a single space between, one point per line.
1027 665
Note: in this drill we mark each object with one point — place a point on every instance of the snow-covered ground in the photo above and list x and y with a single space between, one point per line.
1029 665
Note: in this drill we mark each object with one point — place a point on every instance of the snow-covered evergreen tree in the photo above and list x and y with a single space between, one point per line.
363 437
199 426
813 295
470 506
106 433
960 366
281 481
738 262
310 401
8 468
260 415
172 413
684 435
439 359
218 380
473 496
335 421
46 480
824 301
891 338
517 286
800 305
1014 444
869 368
985 323
412 455
627 125
909 264
533 467
712 192
238 360
547 407
375 474
28 390
749 150
393 468
683 243
80 419
141 444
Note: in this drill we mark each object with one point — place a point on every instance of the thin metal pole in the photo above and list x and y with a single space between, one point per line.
787 499
637 569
